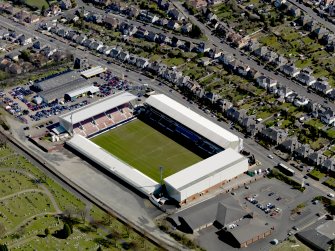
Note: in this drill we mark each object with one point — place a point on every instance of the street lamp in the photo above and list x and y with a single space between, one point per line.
161 174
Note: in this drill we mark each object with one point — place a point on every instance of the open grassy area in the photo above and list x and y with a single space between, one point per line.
292 244
315 174
28 207
330 182
146 149
37 3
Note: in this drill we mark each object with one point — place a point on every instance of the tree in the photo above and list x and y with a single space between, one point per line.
99 248
43 10
195 31
67 231
25 55
3 247
46 231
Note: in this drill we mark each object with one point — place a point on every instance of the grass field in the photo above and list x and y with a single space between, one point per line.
145 148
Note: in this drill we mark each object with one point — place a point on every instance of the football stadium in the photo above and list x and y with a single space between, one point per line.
160 142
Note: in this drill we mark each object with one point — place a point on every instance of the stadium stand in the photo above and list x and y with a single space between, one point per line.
98 116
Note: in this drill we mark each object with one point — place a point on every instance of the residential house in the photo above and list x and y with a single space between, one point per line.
175 14
224 104
214 53
197 3
14 56
313 106
164 5
278 3
300 101
236 115
147 16
273 135
21 15
173 25
71 17
260 52
72 35
26 67
266 82
328 38
316 159
4 64
54 9
142 63
88 42
254 129
290 144
294 11
322 86
105 50
157 68
47 51
290 70
161 22
305 78
303 20
227 58
80 39
39 60
3 45
132 12
14 68
163 39
31 19
319 32
311 25
24 40
242 68
252 45
151 36
111 22
132 59
141 32
328 165
284 91
303 151
115 52
280 61
175 42
248 121
328 117
331 94
65 4
186 27
211 97
253 74
290 98
270 56
123 56
96 45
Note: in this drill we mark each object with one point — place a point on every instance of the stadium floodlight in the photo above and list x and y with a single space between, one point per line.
161 173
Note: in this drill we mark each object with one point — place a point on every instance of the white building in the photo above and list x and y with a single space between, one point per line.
210 173
195 122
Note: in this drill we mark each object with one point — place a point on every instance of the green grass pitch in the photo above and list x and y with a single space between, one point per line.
145 149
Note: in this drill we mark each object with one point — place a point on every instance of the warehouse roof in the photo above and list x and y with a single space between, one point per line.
98 107
248 229
60 90
93 72
56 81
85 89
204 169
128 174
194 121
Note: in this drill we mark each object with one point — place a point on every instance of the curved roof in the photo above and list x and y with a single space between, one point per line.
125 172
194 121
98 107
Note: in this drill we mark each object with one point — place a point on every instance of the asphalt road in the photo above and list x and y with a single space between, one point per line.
301 90
315 17
259 152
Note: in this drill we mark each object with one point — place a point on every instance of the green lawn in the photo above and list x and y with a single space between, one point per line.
37 3
315 174
145 148
330 182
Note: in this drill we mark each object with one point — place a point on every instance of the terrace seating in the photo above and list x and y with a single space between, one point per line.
100 121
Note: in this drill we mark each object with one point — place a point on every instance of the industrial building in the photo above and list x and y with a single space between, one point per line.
67 85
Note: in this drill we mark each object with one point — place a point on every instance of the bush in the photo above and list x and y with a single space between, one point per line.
275 173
